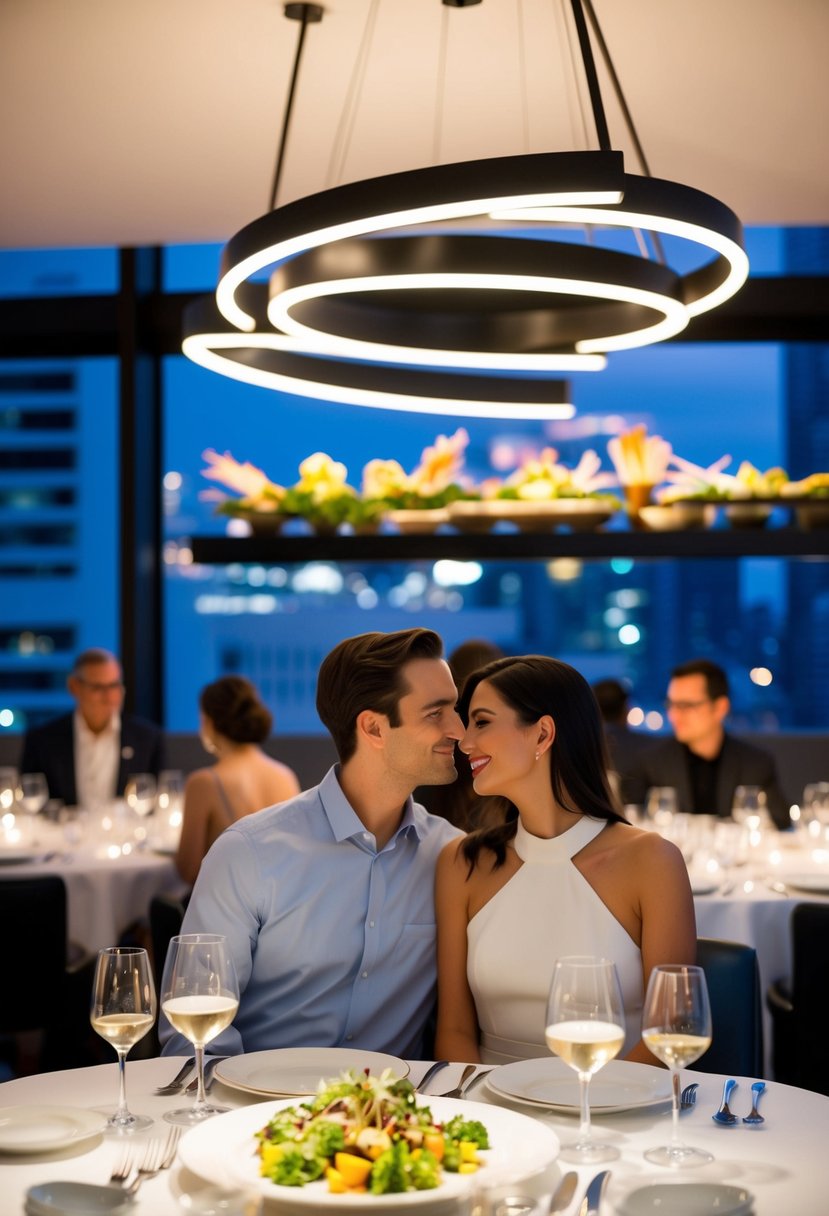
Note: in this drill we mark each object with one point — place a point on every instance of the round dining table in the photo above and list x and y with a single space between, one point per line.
781 1161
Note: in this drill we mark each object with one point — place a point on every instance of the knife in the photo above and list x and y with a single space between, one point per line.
593 1197
209 1069
431 1072
564 1192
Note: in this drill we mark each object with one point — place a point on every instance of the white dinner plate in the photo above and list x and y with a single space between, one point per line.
40 1129
297 1071
223 1151
817 884
621 1085
687 1199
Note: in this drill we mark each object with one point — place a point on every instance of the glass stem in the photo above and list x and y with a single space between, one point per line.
675 1140
584 1102
122 1112
201 1099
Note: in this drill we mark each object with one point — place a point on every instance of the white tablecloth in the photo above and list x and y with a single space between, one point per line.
782 1162
104 893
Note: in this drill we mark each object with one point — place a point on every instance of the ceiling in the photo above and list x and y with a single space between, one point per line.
157 122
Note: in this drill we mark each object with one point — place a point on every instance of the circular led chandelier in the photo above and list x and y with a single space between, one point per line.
443 290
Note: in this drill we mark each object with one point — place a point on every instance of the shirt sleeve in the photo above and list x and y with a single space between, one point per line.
223 901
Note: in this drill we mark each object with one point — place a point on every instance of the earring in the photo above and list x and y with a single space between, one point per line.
538 755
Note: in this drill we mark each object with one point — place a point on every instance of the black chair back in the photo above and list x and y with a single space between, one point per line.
33 913
798 1008
733 980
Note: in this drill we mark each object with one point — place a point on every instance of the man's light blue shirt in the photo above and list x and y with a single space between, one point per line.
333 941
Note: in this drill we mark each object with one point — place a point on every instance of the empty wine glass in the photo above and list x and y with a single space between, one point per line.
816 802
676 1027
586 1028
32 796
122 1011
8 790
139 795
748 806
199 997
661 804
170 790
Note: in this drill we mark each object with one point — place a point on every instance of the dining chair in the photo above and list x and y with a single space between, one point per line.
799 1005
733 979
48 979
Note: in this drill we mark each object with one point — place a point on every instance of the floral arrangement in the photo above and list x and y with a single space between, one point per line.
687 480
542 478
640 459
816 485
323 497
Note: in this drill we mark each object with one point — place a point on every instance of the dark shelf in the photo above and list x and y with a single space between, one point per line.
506 546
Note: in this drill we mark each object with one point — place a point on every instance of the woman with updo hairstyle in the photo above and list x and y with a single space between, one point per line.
233 722
562 873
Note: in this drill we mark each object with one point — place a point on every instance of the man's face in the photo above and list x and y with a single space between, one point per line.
422 747
694 716
99 692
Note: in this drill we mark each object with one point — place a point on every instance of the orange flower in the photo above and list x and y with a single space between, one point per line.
440 466
245 479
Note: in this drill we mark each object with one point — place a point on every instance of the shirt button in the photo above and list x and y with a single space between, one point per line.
366 835
349 1037
371 924
365 975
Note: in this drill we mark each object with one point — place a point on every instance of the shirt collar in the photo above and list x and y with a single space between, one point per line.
344 820
82 731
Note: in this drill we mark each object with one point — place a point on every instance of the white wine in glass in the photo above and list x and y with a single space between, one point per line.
586 1028
122 1011
676 1027
199 997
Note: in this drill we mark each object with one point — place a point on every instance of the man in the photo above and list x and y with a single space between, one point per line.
88 755
327 900
624 745
702 762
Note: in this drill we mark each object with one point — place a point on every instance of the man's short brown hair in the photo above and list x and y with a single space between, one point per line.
365 672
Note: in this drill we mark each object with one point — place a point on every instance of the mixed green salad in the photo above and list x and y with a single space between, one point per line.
367 1134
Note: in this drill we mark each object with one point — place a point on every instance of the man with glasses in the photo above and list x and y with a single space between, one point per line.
87 756
703 762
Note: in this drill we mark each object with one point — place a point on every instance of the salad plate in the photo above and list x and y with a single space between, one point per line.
533 516
549 1082
297 1071
43 1129
223 1150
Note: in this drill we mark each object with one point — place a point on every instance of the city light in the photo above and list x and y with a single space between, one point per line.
629 635
761 676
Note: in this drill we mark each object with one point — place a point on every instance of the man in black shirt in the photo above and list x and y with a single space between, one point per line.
703 762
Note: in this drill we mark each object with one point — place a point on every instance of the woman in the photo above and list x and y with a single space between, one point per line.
563 874
233 722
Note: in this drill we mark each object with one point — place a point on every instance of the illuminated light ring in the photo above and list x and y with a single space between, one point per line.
418 196
274 361
631 292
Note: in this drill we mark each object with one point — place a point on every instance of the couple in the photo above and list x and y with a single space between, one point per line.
328 900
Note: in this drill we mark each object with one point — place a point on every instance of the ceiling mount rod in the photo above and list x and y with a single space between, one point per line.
617 87
307 14
592 78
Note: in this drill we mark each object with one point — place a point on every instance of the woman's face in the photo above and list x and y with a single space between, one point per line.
500 747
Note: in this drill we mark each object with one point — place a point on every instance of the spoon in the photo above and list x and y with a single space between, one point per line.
84 1198
724 1115
756 1090
564 1192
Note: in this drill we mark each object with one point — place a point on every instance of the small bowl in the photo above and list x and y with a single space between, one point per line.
677 516
66 1198
425 521
811 515
687 1199
748 514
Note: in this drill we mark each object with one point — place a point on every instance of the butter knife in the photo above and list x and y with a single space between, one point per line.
564 1192
593 1198
431 1072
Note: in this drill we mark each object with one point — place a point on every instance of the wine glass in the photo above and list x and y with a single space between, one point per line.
122 1011
139 794
170 790
199 997
748 806
676 1027
32 796
586 1028
8 789
816 802
661 804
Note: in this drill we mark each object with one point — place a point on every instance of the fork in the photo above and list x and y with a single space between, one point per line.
123 1167
158 1157
688 1097
177 1084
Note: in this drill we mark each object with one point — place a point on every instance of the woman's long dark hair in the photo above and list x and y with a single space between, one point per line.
534 685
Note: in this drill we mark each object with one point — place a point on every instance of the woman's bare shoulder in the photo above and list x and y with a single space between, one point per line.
643 844
200 779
